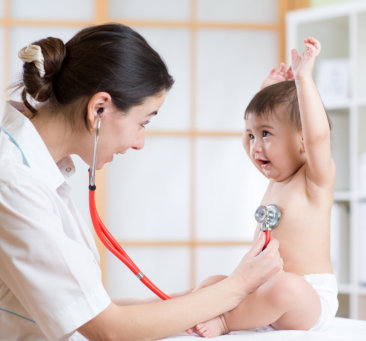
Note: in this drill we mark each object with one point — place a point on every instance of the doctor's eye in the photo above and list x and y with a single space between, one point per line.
145 123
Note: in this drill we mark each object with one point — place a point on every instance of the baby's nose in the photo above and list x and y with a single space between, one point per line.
257 146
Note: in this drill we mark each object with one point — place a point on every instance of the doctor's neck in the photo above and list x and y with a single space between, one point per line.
56 132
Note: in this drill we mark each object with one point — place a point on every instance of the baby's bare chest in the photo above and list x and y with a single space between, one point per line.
286 196
299 210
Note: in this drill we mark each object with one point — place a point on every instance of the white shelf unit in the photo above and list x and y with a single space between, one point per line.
341 30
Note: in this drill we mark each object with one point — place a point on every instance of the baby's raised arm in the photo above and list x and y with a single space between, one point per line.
315 125
276 76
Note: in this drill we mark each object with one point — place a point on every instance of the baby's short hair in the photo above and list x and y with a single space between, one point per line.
265 102
269 98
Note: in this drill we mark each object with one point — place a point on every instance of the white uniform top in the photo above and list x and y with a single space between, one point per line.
50 279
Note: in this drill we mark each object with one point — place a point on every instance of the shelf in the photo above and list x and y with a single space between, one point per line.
341 196
361 290
325 13
361 102
344 288
347 196
362 197
335 105
349 289
341 29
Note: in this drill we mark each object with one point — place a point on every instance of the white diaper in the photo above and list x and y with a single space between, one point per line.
326 287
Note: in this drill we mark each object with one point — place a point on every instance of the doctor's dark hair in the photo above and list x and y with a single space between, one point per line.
265 102
110 57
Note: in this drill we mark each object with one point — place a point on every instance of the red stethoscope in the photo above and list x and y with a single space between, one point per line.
105 236
269 216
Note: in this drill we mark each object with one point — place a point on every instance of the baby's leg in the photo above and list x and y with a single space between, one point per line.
216 325
286 302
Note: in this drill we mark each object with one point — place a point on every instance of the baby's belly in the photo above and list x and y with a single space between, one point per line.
301 268
302 256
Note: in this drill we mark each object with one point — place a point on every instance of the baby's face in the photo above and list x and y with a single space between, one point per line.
273 145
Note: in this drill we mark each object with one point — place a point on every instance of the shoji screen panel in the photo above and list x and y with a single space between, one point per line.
184 205
168 11
24 21
52 10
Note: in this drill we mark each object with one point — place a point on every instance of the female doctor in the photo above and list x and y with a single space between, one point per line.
50 280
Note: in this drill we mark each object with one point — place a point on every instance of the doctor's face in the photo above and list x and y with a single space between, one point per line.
121 131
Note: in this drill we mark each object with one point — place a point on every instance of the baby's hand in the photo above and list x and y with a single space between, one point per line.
302 65
276 76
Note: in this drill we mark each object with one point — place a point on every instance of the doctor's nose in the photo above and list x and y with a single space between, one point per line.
139 142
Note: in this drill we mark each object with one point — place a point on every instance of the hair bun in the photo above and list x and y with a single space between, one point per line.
42 63
33 54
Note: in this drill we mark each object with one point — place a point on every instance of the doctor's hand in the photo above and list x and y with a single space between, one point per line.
257 266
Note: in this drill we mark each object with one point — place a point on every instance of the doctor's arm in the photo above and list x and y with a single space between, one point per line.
134 301
164 318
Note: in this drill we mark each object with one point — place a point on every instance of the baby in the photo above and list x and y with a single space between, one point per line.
287 137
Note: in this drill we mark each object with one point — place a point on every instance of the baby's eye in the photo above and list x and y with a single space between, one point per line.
251 136
266 133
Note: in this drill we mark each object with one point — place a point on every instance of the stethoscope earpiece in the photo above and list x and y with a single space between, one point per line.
96 138
99 113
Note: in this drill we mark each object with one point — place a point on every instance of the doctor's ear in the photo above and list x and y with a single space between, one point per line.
96 108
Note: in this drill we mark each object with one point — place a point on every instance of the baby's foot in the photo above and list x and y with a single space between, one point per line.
212 328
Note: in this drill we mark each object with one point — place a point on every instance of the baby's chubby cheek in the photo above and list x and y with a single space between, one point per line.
245 144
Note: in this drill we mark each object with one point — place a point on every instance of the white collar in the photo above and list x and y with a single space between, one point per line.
33 148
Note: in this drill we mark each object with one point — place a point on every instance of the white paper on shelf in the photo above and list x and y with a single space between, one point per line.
332 78
361 246
362 173
340 149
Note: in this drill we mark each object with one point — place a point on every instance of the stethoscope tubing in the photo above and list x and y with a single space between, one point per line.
116 249
268 238
105 236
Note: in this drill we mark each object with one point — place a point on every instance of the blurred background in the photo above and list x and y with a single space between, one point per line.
183 207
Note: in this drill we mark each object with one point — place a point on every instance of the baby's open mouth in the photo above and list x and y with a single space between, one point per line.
263 163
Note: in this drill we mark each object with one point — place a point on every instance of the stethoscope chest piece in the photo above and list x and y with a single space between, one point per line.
268 215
